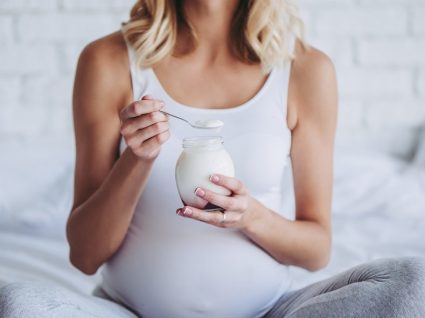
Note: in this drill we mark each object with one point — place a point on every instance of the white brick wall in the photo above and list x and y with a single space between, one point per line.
378 47
40 42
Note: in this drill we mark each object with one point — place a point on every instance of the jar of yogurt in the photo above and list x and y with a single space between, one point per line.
201 157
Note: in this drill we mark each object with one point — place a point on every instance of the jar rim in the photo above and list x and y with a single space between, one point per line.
202 141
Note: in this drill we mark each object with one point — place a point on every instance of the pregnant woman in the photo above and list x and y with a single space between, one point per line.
245 63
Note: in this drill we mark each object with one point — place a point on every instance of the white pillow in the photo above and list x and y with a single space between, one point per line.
36 184
419 156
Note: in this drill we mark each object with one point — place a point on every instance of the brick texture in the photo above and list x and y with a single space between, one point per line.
378 47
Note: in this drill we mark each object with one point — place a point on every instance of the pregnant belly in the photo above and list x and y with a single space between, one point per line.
220 274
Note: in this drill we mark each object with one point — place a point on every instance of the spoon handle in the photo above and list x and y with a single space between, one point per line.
166 113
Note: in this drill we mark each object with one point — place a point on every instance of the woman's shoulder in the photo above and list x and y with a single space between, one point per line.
313 84
102 84
311 63
109 49
104 67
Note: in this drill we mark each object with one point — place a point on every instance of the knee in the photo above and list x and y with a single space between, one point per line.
27 299
406 270
412 272
406 280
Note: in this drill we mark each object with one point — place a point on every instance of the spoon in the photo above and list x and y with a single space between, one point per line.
200 124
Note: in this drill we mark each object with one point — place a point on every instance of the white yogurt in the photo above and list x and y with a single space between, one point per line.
201 157
209 124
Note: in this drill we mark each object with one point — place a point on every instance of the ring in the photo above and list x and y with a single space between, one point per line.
224 217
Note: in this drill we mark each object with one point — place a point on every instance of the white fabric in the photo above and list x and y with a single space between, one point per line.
36 189
25 256
36 185
378 209
50 300
169 266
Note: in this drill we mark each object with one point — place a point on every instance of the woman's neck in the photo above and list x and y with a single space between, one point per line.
211 20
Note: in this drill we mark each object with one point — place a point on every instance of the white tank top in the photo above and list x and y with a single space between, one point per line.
174 267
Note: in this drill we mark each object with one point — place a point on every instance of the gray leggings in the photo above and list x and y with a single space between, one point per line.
383 288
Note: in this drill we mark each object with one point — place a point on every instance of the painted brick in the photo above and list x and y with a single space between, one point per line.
421 84
374 21
350 115
10 90
97 5
395 113
378 83
18 6
392 52
401 3
23 59
325 3
23 122
48 92
64 27
418 21
6 30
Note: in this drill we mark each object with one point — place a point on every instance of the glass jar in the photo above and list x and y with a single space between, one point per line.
201 157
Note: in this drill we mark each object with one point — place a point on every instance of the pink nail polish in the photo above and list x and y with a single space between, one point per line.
199 192
214 178
187 211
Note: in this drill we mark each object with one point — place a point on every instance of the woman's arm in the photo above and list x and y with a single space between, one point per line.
107 186
305 242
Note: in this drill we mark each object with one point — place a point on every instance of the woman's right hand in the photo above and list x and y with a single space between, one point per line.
144 128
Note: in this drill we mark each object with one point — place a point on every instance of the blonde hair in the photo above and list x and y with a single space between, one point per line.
261 31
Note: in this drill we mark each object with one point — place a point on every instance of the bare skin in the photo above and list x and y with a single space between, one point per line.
107 187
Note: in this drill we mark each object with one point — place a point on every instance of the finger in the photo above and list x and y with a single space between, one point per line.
142 135
138 108
146 97
233 184
225 202
131 125
156 140
149 97
151 147
213 218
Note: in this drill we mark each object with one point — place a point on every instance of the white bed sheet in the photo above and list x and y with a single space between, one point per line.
28 257
378 211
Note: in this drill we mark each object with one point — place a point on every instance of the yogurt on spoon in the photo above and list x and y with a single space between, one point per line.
208 124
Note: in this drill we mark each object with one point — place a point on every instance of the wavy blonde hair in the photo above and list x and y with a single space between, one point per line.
261 31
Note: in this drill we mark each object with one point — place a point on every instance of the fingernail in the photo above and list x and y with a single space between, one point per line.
214 178
178 211
187 211
199 192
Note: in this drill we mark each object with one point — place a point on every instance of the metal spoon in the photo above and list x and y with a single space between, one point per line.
200 124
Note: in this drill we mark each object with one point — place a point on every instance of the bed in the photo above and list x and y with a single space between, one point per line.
378 211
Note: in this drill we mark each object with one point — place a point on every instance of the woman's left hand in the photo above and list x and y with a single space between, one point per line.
238 207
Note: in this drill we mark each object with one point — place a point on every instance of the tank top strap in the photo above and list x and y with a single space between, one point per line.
279 91
138 75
